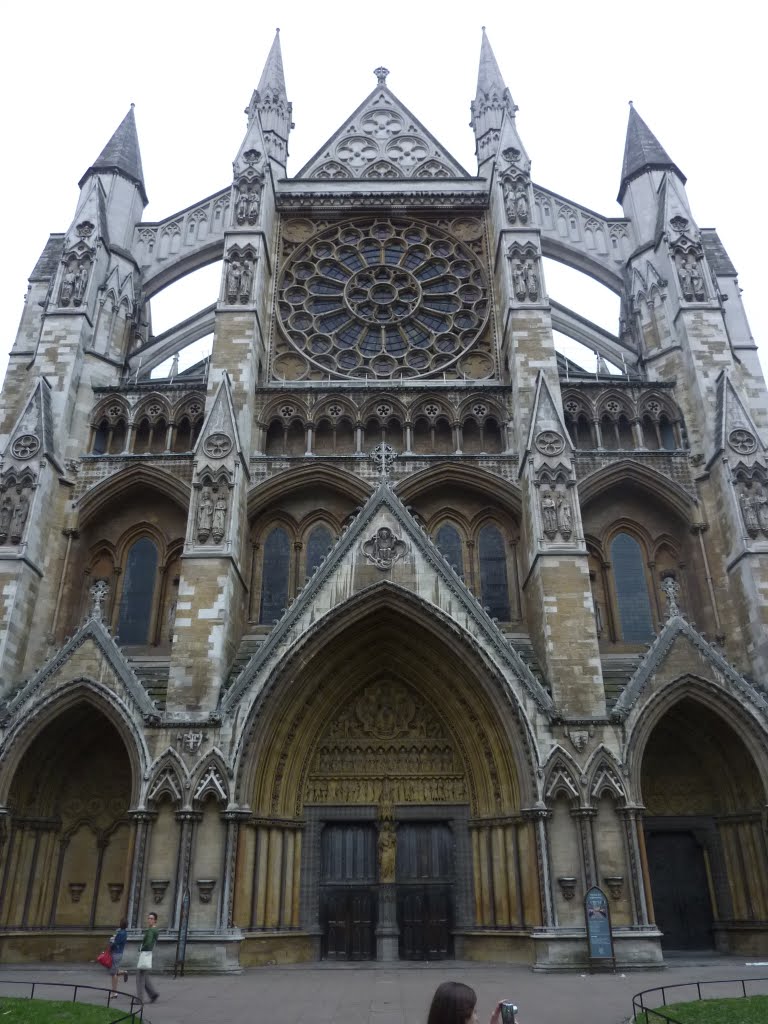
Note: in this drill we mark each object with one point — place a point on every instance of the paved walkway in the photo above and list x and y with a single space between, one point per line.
399 994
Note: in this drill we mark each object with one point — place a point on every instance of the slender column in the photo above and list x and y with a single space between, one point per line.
540 817
584 817
128 438
63 844
637 433
408 438
500 885
232 821
274 877
101 845
308 450
37 829
629 817
598 433
70 535
142 821
169 436
358 439
457 437
188 820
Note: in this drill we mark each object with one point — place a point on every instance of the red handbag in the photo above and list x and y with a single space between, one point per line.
105 959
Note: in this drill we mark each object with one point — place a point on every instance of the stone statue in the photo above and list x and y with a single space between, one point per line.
549 515
204 516
521 203
518 281
384 548
241 211
531 281
81 282
19 517
509 201
749 515
697 281
387 853
6 510
246 277
254 203
685 273
760 504
234 280
564 518
219 522
67 287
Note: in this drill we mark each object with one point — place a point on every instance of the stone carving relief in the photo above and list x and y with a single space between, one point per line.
204 515
692 282
239 281
386 746
74 282
516 203
556 514
219 523
387 852
248 203
550 442
212 510
754 510
218 445
526 283
671 589
384 548
742 441
26 446
191 740
14 512
98 592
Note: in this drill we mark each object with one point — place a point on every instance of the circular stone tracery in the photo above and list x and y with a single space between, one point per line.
384 298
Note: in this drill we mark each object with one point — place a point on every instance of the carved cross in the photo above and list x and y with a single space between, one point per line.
99 592
383 455
671 589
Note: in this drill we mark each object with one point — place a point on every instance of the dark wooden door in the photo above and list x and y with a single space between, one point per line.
348 874
425 873
681 899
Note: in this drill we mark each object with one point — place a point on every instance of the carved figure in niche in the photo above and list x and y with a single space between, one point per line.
67 286
219 522
697 281
6 510
387 853
691 280
749 515
248 203
384 548
518 281
19 517
531 281
81 282
234 282
246 278
204 516
671 589
564 518
509 201
760 503
521 203
549 515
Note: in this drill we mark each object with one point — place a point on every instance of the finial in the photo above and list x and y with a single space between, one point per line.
671 589
132 106
631 103
277 31
99 592
381 75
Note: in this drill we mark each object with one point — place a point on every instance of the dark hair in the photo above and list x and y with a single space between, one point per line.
452 1003
152 914
123 922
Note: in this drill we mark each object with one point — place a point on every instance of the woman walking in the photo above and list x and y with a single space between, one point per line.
117 948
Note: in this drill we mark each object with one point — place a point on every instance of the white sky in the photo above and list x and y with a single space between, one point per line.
68 74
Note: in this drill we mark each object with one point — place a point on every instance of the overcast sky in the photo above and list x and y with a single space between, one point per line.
68 74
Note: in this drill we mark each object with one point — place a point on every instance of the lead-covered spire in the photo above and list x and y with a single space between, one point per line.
121 155
643 152
493 107
270 101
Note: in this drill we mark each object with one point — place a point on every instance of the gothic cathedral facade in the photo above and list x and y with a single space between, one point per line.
385 631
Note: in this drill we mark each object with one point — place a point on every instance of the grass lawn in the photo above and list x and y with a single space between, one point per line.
752 1010
53 1011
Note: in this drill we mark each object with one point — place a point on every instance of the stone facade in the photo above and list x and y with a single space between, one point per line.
386 631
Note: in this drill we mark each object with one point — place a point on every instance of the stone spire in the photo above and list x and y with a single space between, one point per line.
643 152
121 155
492 108
270 101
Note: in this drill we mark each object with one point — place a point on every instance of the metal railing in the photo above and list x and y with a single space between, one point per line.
653 1013
134 1013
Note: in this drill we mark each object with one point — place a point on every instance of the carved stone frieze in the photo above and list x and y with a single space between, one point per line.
384 548
692 281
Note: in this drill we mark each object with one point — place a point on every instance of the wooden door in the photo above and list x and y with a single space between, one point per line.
347 897
425 873
681 899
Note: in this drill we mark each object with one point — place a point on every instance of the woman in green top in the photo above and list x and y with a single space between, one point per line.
143 979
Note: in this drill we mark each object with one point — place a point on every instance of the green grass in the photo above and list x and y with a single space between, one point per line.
752 1010
50 1011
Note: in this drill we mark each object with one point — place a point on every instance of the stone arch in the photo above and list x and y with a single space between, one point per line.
623 471
211 780
562 778
168 777
272 491
409 629
45 711
95 500
413 486
604 775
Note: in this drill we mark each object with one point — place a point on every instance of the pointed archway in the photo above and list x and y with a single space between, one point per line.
65 863
387 755
704 832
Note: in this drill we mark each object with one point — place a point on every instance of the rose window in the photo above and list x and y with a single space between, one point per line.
383 299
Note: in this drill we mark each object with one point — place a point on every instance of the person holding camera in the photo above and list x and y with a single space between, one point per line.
456 1003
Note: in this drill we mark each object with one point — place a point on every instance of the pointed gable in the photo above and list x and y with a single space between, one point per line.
545 421
32 437
382 139
734 427
384 545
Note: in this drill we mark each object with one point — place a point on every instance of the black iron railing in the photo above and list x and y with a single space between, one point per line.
737 989
31 990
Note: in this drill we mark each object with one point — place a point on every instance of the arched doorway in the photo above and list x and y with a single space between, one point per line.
384 774
704 832
66 859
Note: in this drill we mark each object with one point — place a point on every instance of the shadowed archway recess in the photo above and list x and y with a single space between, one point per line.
378 641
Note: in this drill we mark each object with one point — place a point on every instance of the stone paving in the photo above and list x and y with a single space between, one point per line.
400 994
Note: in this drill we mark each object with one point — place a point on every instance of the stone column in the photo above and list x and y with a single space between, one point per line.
540 816
142 822
232 821
188 820
387 932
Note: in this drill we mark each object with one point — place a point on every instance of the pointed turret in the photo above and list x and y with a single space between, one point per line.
643 152
121 155
492 108
270 101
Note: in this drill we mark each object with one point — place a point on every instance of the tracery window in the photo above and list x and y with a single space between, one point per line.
494 585
631 590
137 599
274 575
319 544
384 298
448 542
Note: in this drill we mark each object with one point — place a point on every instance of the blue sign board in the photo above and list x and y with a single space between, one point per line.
598 918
